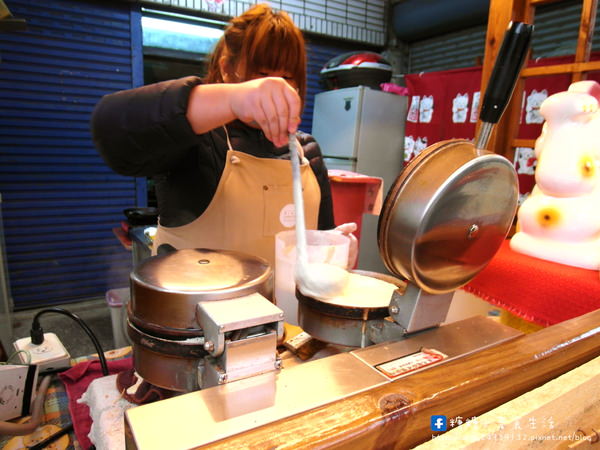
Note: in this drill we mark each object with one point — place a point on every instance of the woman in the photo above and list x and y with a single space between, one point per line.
217 148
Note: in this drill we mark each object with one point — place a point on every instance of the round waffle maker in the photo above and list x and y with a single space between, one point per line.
169 343
443 219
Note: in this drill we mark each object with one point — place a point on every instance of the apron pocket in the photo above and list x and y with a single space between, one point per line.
279 212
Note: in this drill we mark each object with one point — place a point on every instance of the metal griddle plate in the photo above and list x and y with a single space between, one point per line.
343 311
446 215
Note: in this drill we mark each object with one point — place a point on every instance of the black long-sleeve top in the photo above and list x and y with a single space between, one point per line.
144 132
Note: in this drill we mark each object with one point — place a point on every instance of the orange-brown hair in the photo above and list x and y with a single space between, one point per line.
261 39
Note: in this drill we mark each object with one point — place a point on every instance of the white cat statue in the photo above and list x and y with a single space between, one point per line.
474 116
426 109
560 220
409 148
460 108
525 160
413 111
532 108
420 145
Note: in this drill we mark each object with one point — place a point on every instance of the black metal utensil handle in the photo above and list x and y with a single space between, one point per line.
506 70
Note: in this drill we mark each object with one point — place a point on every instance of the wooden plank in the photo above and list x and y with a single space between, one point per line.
523 143
560 68
501 13
551 414
543 2
397 415
586 30
586 33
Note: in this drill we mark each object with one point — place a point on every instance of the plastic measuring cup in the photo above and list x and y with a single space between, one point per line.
323 246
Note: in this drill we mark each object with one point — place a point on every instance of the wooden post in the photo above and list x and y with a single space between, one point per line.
501 13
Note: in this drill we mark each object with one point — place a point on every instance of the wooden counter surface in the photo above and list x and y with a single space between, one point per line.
397 415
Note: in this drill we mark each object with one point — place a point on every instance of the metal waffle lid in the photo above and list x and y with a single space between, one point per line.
446 215
219 273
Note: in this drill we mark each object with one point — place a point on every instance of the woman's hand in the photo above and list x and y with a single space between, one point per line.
347 229
269 103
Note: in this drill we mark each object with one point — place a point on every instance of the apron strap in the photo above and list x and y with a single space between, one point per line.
227 136
302 158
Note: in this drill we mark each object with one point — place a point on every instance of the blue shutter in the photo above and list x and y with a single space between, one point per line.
60 200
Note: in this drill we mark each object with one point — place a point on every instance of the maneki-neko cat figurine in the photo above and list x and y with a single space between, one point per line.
560 220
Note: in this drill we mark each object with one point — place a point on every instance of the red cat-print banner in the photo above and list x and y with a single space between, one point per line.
445 105
442 105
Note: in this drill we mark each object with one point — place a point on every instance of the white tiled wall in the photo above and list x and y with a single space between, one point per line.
358 20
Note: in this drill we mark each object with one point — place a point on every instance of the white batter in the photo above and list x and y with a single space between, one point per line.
363 291
321 281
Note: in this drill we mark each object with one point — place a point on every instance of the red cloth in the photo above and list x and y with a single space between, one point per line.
76 381
536 290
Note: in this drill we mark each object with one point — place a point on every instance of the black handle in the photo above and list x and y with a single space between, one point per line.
506 70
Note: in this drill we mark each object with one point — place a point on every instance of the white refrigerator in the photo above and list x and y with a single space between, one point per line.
362 130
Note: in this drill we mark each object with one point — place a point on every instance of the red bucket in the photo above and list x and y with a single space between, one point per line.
353 195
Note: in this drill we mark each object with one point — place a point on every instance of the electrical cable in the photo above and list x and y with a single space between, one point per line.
15 353
37 333
37 337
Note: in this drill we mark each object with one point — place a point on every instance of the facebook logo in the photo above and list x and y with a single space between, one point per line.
439 423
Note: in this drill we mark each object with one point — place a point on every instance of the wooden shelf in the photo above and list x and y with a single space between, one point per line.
503 141
561 68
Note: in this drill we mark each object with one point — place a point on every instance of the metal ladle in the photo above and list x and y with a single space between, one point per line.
318 280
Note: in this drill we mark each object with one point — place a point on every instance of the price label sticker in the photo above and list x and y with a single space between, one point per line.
410 363
293 344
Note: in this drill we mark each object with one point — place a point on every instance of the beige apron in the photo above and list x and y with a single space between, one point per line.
253 202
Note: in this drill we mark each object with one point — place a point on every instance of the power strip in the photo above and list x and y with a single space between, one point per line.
49 355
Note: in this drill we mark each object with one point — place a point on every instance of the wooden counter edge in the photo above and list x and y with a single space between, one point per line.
397 414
